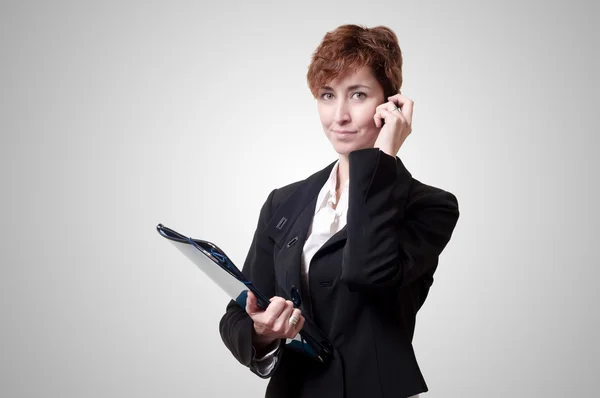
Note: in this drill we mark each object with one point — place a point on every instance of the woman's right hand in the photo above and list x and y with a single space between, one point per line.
273 323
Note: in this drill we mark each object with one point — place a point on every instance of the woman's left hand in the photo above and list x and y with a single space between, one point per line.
397 113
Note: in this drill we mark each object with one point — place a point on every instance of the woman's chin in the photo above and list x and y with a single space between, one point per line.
343 148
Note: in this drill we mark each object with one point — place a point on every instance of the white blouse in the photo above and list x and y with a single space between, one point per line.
327 221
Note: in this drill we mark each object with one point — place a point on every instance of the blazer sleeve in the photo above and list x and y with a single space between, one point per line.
389 243
236 327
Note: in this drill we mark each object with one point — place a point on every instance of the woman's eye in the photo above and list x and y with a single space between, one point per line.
325 95
359 95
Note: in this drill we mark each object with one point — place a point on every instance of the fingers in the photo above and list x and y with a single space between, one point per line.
378 119
388 116
405 104
386 112
298 328
252 307
292 330
251 304
273 311
275 320
281 324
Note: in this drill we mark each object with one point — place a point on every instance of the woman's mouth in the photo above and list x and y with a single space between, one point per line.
344 132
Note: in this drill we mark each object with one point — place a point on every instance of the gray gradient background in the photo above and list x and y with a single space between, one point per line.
117 117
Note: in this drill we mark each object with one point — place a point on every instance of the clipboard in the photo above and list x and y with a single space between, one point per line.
213 261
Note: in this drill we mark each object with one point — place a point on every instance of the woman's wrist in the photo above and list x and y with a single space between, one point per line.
262 344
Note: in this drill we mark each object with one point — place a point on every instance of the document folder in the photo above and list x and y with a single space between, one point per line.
220 269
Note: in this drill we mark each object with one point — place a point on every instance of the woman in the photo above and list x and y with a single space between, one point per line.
360 237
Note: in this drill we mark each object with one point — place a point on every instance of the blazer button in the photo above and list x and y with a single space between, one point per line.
281 223
296 297
292 242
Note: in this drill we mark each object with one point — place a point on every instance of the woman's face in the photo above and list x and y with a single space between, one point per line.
346 108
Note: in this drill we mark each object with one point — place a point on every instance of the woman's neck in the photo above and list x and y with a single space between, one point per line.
343 172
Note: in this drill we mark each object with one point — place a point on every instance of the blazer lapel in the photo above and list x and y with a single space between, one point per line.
339 236
289 228
342 234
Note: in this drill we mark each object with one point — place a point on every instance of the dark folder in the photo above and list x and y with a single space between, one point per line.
213 261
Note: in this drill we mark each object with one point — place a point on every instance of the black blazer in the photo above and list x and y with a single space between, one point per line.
367 282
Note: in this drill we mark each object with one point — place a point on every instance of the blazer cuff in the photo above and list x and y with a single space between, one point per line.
265 365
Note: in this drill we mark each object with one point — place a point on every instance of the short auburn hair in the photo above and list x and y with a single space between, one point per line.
350 47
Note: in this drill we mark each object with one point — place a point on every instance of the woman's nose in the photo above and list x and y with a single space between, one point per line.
342 113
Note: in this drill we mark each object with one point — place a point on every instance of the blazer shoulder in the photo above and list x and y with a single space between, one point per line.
282 193
420 191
